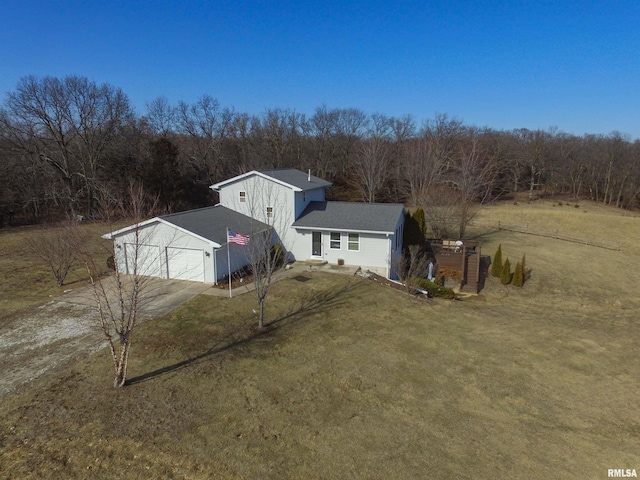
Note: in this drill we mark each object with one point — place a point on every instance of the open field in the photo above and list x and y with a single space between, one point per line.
25 281
354 380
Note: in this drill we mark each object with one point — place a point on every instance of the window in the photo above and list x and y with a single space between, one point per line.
269 212
354 242
334 242
243 197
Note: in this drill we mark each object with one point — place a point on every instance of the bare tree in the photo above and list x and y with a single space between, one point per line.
371 168
440 203
269 243
412 266
474 174
119 298
57 247
161 116
371 165
68 124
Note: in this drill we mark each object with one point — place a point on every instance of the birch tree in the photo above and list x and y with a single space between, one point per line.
119 298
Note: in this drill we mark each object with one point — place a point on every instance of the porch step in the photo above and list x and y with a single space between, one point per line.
313 262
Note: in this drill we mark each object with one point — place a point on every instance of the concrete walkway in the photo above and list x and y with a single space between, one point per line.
294 270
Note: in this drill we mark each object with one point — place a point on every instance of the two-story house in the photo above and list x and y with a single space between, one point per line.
193 245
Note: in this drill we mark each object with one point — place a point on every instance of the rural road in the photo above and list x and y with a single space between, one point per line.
67 327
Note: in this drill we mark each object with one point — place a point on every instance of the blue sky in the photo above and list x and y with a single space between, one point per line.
570 64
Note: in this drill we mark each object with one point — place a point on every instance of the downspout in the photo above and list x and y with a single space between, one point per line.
215 267
389 262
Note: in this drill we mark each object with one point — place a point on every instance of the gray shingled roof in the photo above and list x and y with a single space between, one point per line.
362 217
297 178
212 222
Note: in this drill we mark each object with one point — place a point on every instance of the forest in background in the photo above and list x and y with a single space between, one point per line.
73 147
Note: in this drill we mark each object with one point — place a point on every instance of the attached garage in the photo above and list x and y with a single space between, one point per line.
188 245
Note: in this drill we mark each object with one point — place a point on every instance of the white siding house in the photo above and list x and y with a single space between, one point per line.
364 234
193 245
187 246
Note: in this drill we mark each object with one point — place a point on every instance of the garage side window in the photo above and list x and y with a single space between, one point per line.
243 197
269 212
354 242
334 243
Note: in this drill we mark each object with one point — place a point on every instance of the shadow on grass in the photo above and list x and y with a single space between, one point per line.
312 303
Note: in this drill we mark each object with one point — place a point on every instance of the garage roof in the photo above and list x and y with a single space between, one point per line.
209 223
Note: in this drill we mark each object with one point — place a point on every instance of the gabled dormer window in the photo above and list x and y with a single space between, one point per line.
243 197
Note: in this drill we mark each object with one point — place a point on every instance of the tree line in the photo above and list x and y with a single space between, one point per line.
69 145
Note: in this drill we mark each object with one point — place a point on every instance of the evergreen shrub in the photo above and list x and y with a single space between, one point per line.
505 276
518 275
496 265
437 291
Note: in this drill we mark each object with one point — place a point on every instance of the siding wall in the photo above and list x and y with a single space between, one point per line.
163 236
261 193
373 253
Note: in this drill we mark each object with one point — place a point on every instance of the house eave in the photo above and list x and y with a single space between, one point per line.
348 230
112 235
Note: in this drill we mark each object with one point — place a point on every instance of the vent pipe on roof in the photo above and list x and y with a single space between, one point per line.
309 177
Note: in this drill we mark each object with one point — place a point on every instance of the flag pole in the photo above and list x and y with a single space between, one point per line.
229 260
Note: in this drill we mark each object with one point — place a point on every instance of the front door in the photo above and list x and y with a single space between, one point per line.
316 244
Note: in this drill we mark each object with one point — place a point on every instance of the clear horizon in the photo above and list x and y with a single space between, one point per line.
573 65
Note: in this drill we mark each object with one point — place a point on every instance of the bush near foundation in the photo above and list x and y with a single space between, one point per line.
437 291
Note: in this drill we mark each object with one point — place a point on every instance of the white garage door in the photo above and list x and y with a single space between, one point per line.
185 263
143 260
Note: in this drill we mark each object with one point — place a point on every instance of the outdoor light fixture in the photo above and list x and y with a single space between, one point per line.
207 254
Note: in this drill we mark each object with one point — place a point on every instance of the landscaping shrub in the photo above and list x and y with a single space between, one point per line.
496 266
518 275
526 272
277 254
505 275
418 217
437 291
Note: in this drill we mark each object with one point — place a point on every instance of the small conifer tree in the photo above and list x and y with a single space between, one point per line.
505 276
418 217
496 266
518 275
525 272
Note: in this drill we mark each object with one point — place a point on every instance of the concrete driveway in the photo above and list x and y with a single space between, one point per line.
52 335
158 297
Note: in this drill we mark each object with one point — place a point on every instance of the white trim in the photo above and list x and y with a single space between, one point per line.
218 185
349 249
331 240
336 229
111 235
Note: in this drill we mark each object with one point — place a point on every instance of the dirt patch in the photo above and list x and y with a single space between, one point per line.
36 343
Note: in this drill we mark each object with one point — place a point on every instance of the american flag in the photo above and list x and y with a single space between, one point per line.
237 238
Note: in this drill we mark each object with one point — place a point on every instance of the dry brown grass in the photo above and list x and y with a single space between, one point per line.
26 281
354 380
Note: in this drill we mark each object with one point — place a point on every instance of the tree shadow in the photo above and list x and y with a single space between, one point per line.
485 263
313 302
